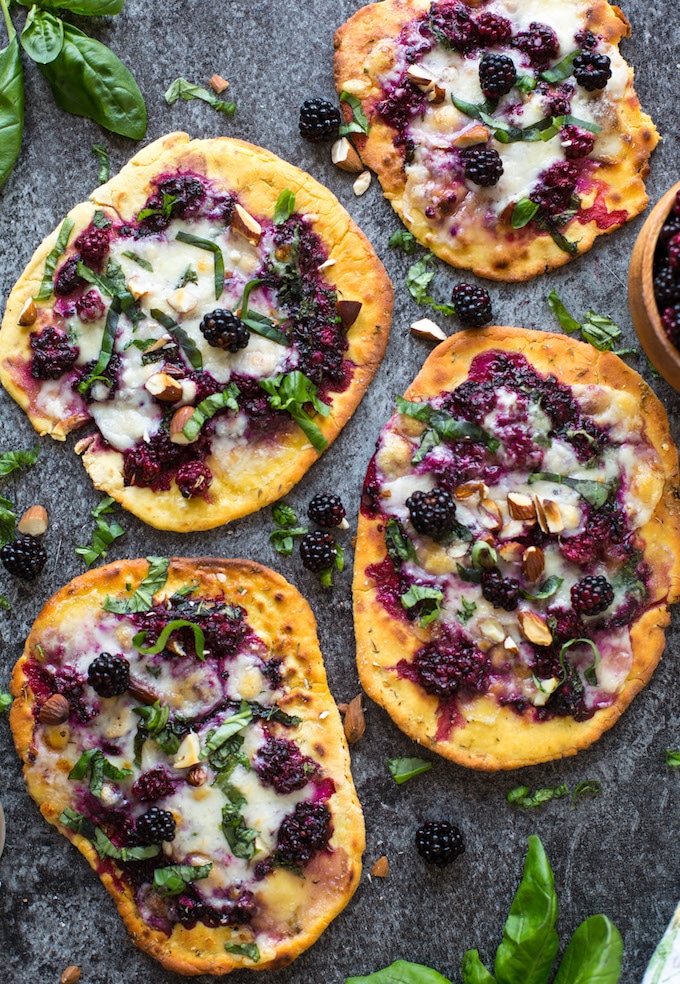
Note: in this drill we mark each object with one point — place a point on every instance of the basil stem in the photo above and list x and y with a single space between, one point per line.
211 247
159 645
11 101
190 350
106 350
47 285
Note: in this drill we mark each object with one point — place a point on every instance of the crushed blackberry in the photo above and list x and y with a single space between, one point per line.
109 675
567 699
238 909
666 288
472 304
303 833
223 329
319 120
449 665
193 478
592 595
438 842
592 71
24 557
539 43
576 142
52 354
155 826
90 306
483 165
188 191
432 513
497 75
555 189
67 279
451 24
154 785
493 29
93 246
318 551
586 39
502 592
556 99
281 764
326 509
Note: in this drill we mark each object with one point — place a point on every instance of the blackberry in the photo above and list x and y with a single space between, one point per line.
483 165
326 509
193 478
577 142
52 354
155 826
670 319
673 248
319 120
666 288
318 551
432 513
493 29
449 665
93 245
439 842
281 764
304 833
223 329
592 71
109 675
24 557
472 304
154 785
555 190
591 595
68 279
502 592
497 75
539 43
90 307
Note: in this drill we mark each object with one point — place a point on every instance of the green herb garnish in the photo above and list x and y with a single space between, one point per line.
562 70
206 409
429 599
418 280
209 246
523 213
139 260
285 206
99 768
399 546
230 726
11 461
596 493
466 611
673 757
142 599
173 879
359 122
47 285
401 239
403 769
546 590
161 642
286 519
259 323
521 796
5 701
585 790
102 155
104 533
290 392
108 339
182 89
179 334
249 950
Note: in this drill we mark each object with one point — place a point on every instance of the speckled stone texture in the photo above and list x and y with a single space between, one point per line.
618 853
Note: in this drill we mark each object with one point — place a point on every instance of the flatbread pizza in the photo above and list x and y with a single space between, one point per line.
175 724
506 135
216 315
518 548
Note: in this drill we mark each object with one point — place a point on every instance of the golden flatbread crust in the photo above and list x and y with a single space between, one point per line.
296 909
489 736
253 475
364 54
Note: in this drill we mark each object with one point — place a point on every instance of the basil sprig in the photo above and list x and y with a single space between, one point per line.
597 329
93 762
210 247
179 334
11 99
47 285
161 642
256 322
104 533
206 410
173 879
290 392
142 599
182 89
595 493
403 769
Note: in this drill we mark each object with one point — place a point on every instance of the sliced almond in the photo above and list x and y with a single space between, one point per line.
136 287
55 710
34 521
183 301
141 692
29 313
177 423
189 752
345 156
437 94
248 227
355 721
533 563
430 330
467 489
534 628
490 515
362 184
470 137
420 76
521 506
159 343
511 551
492 629
349 312
553 516
327 263
510 646
164 387
381 868
218 84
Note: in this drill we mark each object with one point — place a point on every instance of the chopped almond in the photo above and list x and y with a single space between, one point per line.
218 84
248 227
345 156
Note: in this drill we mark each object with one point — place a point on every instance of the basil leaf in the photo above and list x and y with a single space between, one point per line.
173 879
575 121
593 954
401 239
142 599
104 534
596 493
530 941
11 102
547 589
182 89
230 726
418 278
429 599
211 247
503 132
241 839
105 849
285 206
207 409
401 972
159 645
5 700
600 331
282 540
447 427
525 83
249 950
108 339
473 109
523 213
257 322
359 123
673 757
403 769
53 256
399 546
520 795
86 8
466 612
590 674
562 70
567 323
139 260
102 155
284 515
474 971
178 333
289 392
566 245
10 461
7 520
87 79
94 763
43 36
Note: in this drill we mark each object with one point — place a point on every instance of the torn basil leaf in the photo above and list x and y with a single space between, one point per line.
523 213
399 546
230 726
596 493
521 796
102 155
290 392
249 950
567 322
182 89
179 334
402 239
209 246
403 769
259 323
466 611
429 600
285 206
549 587
359 122
11 461
206 410
173 879
47 285
562 70
142 599
586 789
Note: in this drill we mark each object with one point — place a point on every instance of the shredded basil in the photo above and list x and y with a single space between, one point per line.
139 260
596 493
105 849
5 700
359 122
403 769
182 89
47 285
259 323
567 322
586 789
173 879
179 334
206 409
142 599
399 546
467 610
290 392
401 239
106 351
102 155
521 796
98 767
562 70
210 247
429 600
104 533
549 587
230 726
159 645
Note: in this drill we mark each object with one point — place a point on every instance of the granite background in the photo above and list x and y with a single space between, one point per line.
617 853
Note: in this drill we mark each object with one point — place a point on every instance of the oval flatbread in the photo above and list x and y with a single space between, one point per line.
518 548
215 313
507 136
175 724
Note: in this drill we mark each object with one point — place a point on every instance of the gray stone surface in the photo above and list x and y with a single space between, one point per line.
616 854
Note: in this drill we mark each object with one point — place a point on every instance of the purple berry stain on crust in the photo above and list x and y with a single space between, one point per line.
303 833
281 764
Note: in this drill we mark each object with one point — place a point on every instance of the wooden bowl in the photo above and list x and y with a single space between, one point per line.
643 307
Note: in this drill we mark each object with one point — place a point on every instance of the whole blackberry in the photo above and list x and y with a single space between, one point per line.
591 595
52 354
432 513
193 478
483 165
155 826
439 842
539 43
326 509
223 329
502 592
109 675
304 833
319 120
93 246
24 557
472 304
317 551
493 29
497 75
666 288
592 71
